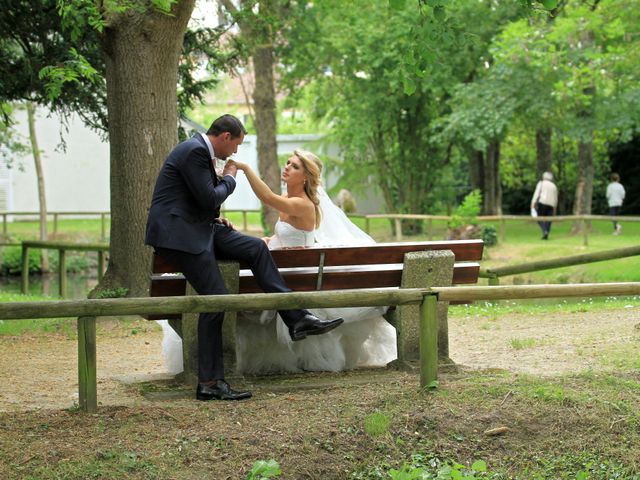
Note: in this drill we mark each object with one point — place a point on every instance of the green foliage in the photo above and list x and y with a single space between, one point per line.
377 424
75 70
467 212
489 235
12 144
117 292
423 466
264 469
12 260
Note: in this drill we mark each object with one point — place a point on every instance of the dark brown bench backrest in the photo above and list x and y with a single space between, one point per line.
335 268
380 253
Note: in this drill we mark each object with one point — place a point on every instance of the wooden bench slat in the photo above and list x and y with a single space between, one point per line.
380 253
345 267
305 279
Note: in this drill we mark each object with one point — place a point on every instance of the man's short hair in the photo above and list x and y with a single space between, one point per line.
614 177
227 123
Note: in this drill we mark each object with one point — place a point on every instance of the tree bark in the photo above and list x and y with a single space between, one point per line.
584 186
476 170
141 54
543 151
264 104
260 34
492 194
42 199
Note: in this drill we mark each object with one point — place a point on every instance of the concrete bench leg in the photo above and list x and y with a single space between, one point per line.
423 270
189 330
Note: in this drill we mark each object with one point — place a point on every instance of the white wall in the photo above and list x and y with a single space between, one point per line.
75 180
78 179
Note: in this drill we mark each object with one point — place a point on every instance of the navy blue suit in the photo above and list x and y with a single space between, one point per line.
182 228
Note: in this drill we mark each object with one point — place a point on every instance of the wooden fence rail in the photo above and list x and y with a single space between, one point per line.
56 215
494 273
502 219
62 247
88 310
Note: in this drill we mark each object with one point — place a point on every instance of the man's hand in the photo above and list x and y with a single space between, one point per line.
225 222
230 168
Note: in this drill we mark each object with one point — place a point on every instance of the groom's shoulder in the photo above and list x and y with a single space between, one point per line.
193 144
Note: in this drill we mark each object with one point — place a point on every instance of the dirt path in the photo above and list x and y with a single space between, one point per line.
40 371
548 344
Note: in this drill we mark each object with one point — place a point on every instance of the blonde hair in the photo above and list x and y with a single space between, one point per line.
312 168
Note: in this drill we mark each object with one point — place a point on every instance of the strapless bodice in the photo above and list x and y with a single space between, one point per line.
286 235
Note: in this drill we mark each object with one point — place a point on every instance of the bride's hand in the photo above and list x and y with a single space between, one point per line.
241 165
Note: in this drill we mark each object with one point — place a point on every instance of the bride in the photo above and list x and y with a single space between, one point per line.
307 216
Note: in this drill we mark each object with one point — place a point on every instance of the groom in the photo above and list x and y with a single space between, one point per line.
184 227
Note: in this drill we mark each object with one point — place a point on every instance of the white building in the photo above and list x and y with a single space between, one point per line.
77 178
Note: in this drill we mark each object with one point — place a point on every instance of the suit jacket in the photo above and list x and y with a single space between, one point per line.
186 199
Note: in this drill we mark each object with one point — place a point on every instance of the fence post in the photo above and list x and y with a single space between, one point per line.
103 226
367 225
503 230
25 270
62 272
4 224
432 268
244 221
585 235
55 223
100 264
87 385
430 229
398 229
428 340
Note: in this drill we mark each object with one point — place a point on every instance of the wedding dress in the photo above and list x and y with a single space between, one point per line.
263 344
365 339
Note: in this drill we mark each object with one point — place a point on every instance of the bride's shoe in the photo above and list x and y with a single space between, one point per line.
311 325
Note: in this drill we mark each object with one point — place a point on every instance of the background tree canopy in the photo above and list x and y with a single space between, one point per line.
428 99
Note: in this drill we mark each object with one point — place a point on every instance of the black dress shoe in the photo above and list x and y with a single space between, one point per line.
312 325
221 390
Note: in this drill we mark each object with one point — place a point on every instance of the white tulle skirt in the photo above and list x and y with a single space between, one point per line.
264 346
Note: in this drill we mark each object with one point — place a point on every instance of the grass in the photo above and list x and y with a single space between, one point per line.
583 425
542 306
572 426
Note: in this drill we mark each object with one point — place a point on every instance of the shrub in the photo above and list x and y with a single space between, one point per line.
12 261
467 212
489 235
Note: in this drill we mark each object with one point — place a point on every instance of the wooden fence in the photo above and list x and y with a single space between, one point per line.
88 310
56 215
582 220
101 248
494 273
397 218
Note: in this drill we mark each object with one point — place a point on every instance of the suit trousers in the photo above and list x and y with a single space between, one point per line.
202 272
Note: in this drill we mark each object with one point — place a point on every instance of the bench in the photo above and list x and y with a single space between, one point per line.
395 265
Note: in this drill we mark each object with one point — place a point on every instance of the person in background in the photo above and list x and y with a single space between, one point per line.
615 197
545 201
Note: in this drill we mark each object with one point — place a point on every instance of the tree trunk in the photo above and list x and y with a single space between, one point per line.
476 170
492 194
141 54
42 199
264 104
584 186
543 151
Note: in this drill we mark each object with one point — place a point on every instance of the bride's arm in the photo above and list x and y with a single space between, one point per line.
291 206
